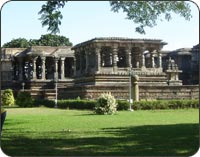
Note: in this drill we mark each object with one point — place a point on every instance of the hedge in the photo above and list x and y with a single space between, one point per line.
67 104
76 104
44 102
122 104
165 104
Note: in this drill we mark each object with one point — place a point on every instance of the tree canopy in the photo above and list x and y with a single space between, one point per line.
143 13
17 43
45 40
51 16
146 13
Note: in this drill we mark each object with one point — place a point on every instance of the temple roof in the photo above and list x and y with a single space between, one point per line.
120 40
195 48
182 51
47 51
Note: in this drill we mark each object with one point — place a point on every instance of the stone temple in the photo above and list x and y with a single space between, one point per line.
93 67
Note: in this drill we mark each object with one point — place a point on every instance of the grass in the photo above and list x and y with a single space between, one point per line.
56 132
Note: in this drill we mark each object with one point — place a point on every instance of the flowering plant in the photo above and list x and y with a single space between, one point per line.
106 104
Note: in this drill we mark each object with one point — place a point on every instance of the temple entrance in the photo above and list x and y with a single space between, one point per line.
106 57
28 70
135 57
50 68
39 68
121 61
68 67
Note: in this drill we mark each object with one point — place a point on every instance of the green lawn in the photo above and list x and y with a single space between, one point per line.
56 132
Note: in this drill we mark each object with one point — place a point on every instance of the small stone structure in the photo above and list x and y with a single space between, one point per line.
135 88
173 73
93 67
187 60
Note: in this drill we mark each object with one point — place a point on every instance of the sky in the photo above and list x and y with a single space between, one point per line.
84 20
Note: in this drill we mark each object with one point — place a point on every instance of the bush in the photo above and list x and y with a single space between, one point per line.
106 104
67 104
77 104
24 100
165 104
44 102
123 105
8 98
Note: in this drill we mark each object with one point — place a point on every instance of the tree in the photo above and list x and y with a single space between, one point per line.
45 40
17 43
34 42
143 13
51 16
54 40
146 13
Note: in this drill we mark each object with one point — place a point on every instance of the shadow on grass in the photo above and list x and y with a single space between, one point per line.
147 140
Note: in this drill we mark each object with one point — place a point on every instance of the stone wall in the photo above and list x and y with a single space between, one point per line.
169 92
122 92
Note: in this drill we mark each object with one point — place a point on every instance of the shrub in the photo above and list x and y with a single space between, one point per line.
44 102
123 105
77 104
8 98
106 104
165 104
24 99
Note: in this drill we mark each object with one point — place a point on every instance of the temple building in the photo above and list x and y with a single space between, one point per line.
195 58
90 68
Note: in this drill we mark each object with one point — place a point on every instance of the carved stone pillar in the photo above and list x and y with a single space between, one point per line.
152 60
143 60
34 68
86 61
135 93
114 58
77 61
62 69
43 68
128 57
98 59
142 57
21 69
56 68
159 60
74 66
81 61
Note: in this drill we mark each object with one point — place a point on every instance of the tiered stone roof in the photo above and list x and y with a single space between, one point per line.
120 39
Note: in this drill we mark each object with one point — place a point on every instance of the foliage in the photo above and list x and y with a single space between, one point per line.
68 104
77 104
143 13
165 104
45 40
17 43
146 13
51 16
53 40
44 102
24 99
106 104
123 105
8 98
